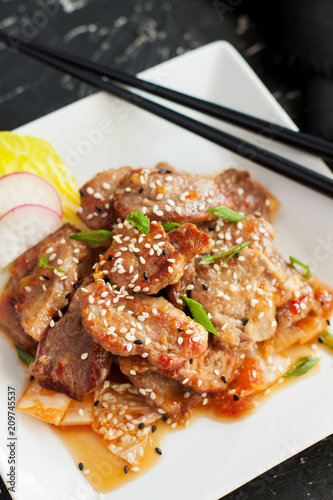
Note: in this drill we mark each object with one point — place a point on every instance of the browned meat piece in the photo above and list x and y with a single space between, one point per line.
8 318
243 296
150 262
140 325
96 208
203 374
168 395
67 359
246 195
165 195
40 295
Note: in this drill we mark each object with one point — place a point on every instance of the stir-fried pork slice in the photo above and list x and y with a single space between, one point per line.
41 294
8 317
123 417
166 195
211 372
243 295
96 209
67 359
129 325
150 262
246 195
174 292
169 396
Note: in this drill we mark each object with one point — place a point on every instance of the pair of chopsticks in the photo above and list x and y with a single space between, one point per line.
100 77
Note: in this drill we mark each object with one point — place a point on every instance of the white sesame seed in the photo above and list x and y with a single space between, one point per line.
52 323
49 250
274 323
159 196
160 410
137 289
154 311
180 340
205 401
142 260
27 289
52 257
90 190
254 302
145 354
216 372
189 287
84 355
103 312
199 382
91 299
261 315
132 372
185 381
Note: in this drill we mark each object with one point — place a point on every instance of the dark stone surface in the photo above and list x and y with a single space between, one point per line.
134 36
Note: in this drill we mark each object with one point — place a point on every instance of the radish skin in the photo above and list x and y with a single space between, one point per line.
21 188
23 227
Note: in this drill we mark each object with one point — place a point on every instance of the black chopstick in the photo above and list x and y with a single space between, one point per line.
245 149
301 140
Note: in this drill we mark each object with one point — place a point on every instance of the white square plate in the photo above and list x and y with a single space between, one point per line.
210 458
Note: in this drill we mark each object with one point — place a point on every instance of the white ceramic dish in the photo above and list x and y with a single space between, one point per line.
210 458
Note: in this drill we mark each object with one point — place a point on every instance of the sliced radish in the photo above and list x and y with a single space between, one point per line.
23 227
23 188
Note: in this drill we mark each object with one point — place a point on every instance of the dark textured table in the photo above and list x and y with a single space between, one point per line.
134 36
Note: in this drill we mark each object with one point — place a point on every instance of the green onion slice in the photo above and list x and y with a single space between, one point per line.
43 263
226 214
303 365
24 355
170 226
140 221
233 251
326 338
97 236
199 314
294 261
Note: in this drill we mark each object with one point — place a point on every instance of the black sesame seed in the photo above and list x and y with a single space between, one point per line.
141 426
245 322
68 295
320 339
191 361
328 322
110 257
164 418
158 450
161 171
237 254
168 171
96 403
31 378
212 228
146 276
45 277
81 192
138 342
98 208
164 252
153 429
322 303
141 190
236 398
75 286
81 466
126 469
205 286
180 329
224 379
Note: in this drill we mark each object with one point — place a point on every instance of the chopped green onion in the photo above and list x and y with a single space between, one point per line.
43 263
294 261
210 258
97 236
199 314
303 365
170 226
326 338
140 221
226 214
24 355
